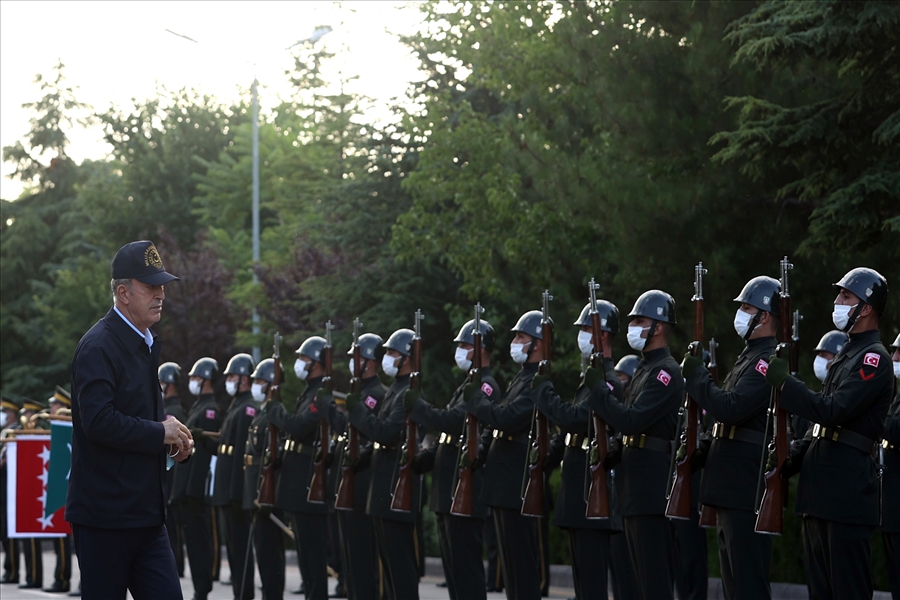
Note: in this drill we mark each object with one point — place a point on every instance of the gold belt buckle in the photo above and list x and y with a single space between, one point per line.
717 430
817 429
643 439
569 439
835 433
731 432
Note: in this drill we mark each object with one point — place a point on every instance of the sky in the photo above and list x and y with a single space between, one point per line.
116 51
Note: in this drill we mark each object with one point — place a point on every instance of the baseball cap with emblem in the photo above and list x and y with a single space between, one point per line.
140 260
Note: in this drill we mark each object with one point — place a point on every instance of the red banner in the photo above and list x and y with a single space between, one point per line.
27 460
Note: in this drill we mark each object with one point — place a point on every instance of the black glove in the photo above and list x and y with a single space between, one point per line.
690 364
323 399
777 372
410 397
698 460
472 388
351 401
613 454
593 377
197 433
538 380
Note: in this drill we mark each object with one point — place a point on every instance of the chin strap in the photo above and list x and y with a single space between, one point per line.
754 323
650 333
851 320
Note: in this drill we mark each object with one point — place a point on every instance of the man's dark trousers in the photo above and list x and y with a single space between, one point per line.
113 561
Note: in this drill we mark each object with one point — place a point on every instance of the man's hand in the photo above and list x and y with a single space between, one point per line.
410 397
472 387
690 364
178 436
351 401
323 399
593 376
777 372
184 454
538 380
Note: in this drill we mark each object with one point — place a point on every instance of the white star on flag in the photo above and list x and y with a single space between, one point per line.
44 477
46 521
45 454
43 498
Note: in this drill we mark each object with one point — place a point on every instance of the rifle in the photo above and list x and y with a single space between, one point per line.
462 497
346 488
598 495
316 494
266 495
402 497
708 513
533 498
770 515
679 505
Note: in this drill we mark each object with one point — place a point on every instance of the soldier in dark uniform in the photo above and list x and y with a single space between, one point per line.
461 538
730 476
169 377
395 535
31 547
61 403
201 534
837 493
357 537
228 490
588 538
9 421
890 458
509 423
309 519
648 422
267 538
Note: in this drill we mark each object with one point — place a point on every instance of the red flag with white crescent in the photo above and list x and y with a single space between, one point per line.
27 460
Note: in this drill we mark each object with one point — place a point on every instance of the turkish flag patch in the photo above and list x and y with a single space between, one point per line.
871 359
664 377
210 413
371 402
611 388
762 366
487 389
251 411
313 408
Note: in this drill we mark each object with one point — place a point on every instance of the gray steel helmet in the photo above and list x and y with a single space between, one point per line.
266 370
169 372
832 342
763 293
609 316
530 323
466 334
205 367
240 364
369 346
401 341
654 304
312 348
628 364
869 285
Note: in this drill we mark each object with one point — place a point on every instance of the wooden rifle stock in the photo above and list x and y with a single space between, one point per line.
708 516
316 494
598 494
266 495
533 499
402 497
347 488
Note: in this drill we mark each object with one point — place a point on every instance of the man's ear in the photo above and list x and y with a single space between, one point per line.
121 294
865 310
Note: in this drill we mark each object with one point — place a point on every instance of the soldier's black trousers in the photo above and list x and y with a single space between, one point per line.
241 561
589 549
838 559
463 538
891 541
269 545
359 557
310 533
396 542
624 580
652 557
34 561
62 547
744 555
517 539
11 559
494 574
691 572
198 537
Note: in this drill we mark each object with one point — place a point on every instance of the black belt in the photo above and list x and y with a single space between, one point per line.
383 447
510 437
577 440
741 434
844 436
299 448
648 442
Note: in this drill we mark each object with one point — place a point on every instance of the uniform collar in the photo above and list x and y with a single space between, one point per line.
146 335
866 336
763 341
655 354
125 331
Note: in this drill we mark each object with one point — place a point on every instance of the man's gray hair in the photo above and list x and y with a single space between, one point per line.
115 283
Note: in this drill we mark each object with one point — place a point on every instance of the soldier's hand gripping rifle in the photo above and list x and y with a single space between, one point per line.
316 493
679 505
770 516
462 496
266 496
598 494
402 498
708 517
346 488
533 498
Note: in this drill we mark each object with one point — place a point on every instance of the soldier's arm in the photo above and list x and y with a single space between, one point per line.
300 424
449 420
571 417
337 420
658 398
513 416
748 397
386 430
892 423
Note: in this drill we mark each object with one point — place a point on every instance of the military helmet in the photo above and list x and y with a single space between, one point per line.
205 368
240 364
312 348
832 342
266 370
654 304
763 293
609 316
369 346
628 364
169 372
401 341
466 334
868 284
896 343
530 323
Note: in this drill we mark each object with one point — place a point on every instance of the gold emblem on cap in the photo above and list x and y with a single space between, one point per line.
151 257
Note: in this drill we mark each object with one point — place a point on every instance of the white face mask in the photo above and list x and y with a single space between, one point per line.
4 417
231 388
259 394
896 369
586 343
462 359
820 367
300 368
634 337
389 365
194 387
517 352
742 323
841 315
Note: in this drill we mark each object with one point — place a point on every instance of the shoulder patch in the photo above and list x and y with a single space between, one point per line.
871 359
611 388
251 411
664 377
487 389
371 402
762 366
313 408
210 413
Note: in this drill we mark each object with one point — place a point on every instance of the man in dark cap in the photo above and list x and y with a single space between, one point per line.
121 444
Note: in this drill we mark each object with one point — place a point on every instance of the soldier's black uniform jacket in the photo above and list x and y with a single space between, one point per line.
572 419
510 423
386 429
191 476
173 408
451 422
253 455
301 429
838 481
731 473
229 477
890 515
650 410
